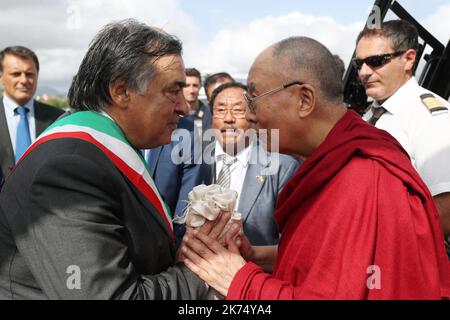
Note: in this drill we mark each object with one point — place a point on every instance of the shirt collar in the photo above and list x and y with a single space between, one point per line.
243 156
396 102
11 105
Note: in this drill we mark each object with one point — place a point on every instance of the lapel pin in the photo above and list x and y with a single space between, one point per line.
260 179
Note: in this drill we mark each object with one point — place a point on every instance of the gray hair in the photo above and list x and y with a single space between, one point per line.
402 34
123 50
311 61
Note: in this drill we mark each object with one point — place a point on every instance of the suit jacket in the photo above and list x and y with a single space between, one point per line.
66 207
175 181
44 116
203 114
259 194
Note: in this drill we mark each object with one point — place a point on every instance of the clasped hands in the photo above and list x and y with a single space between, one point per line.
216 251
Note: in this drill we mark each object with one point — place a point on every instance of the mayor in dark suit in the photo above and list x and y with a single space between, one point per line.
22 119
80 216
241 163
174 171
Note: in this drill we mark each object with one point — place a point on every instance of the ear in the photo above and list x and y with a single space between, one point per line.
410 58
119 94
307 100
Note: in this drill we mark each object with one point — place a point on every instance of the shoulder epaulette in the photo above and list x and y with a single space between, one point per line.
432 103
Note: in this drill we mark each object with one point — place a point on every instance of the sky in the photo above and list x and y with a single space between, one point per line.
216 35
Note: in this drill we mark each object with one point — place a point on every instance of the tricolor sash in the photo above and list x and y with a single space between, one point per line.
104 133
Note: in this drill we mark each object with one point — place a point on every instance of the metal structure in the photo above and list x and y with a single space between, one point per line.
435 76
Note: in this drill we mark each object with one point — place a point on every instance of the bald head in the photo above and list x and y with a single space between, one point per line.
306 60
296 88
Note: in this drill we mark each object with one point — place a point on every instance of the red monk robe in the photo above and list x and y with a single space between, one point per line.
356 202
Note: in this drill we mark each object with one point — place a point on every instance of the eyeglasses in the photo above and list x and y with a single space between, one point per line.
375 61
251 100
237 113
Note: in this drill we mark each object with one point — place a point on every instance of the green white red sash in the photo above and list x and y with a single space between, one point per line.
103 132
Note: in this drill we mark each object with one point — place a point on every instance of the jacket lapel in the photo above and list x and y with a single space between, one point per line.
7 156
154 157
39 117
253 182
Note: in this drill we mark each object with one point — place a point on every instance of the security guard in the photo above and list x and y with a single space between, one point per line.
199 112
415 116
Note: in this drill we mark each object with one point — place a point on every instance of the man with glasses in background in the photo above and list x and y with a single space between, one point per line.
415 116
242 164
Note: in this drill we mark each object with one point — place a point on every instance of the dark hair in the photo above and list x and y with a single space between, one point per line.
223 87
125 50
20 52
192 72
340 64
213 79
402 34
307 60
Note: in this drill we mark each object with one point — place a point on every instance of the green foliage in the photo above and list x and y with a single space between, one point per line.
58 102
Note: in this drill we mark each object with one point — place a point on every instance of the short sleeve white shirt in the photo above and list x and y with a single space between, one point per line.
423 134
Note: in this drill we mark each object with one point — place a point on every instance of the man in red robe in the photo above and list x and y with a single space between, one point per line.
356 220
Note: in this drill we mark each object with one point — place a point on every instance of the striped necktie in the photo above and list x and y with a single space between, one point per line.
376 114
23 139
224 178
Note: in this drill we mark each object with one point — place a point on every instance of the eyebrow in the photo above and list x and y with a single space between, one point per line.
21 71
234 104
181 84
251 87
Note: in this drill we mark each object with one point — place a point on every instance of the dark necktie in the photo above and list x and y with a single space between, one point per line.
224 178
23 139
376 114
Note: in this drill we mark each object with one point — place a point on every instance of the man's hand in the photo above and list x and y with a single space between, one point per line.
215 229
206 257
265 256
242 243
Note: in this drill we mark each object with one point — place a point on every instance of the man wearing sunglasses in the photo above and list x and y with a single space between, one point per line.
416 117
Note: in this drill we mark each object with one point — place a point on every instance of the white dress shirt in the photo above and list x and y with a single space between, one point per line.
424 135
238 169
12 119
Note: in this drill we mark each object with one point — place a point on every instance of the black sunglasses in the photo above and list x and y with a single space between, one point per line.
375 61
